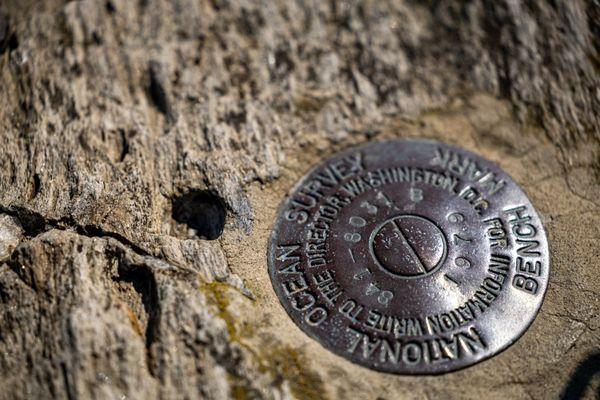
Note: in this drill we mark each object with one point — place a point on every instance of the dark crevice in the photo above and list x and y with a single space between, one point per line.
124 145
139 290
68 386
8 38
593 17
283 62
504 78
202 211
97 39
237 119
110 7
157 92
36 185
95 231
3 27
34 224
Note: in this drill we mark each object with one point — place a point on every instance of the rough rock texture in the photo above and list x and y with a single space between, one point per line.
132 132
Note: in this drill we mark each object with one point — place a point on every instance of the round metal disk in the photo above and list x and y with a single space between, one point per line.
410 257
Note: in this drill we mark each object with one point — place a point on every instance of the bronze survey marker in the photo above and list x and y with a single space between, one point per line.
409 256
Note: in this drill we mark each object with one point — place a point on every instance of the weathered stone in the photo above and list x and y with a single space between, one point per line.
111 112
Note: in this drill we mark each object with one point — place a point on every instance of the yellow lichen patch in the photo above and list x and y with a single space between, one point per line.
285 363
219 295
241 390
306 103
281 363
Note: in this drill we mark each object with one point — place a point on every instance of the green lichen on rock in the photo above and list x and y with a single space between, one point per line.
218 296
283 364
289 364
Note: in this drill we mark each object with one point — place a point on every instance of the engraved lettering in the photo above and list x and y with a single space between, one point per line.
351 309
528 267
316 316
464 166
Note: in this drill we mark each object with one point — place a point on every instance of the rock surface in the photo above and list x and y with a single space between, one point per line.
133 133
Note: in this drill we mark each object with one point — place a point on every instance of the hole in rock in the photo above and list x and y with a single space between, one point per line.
202 211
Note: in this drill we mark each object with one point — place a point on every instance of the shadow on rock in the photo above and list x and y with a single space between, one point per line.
582 378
